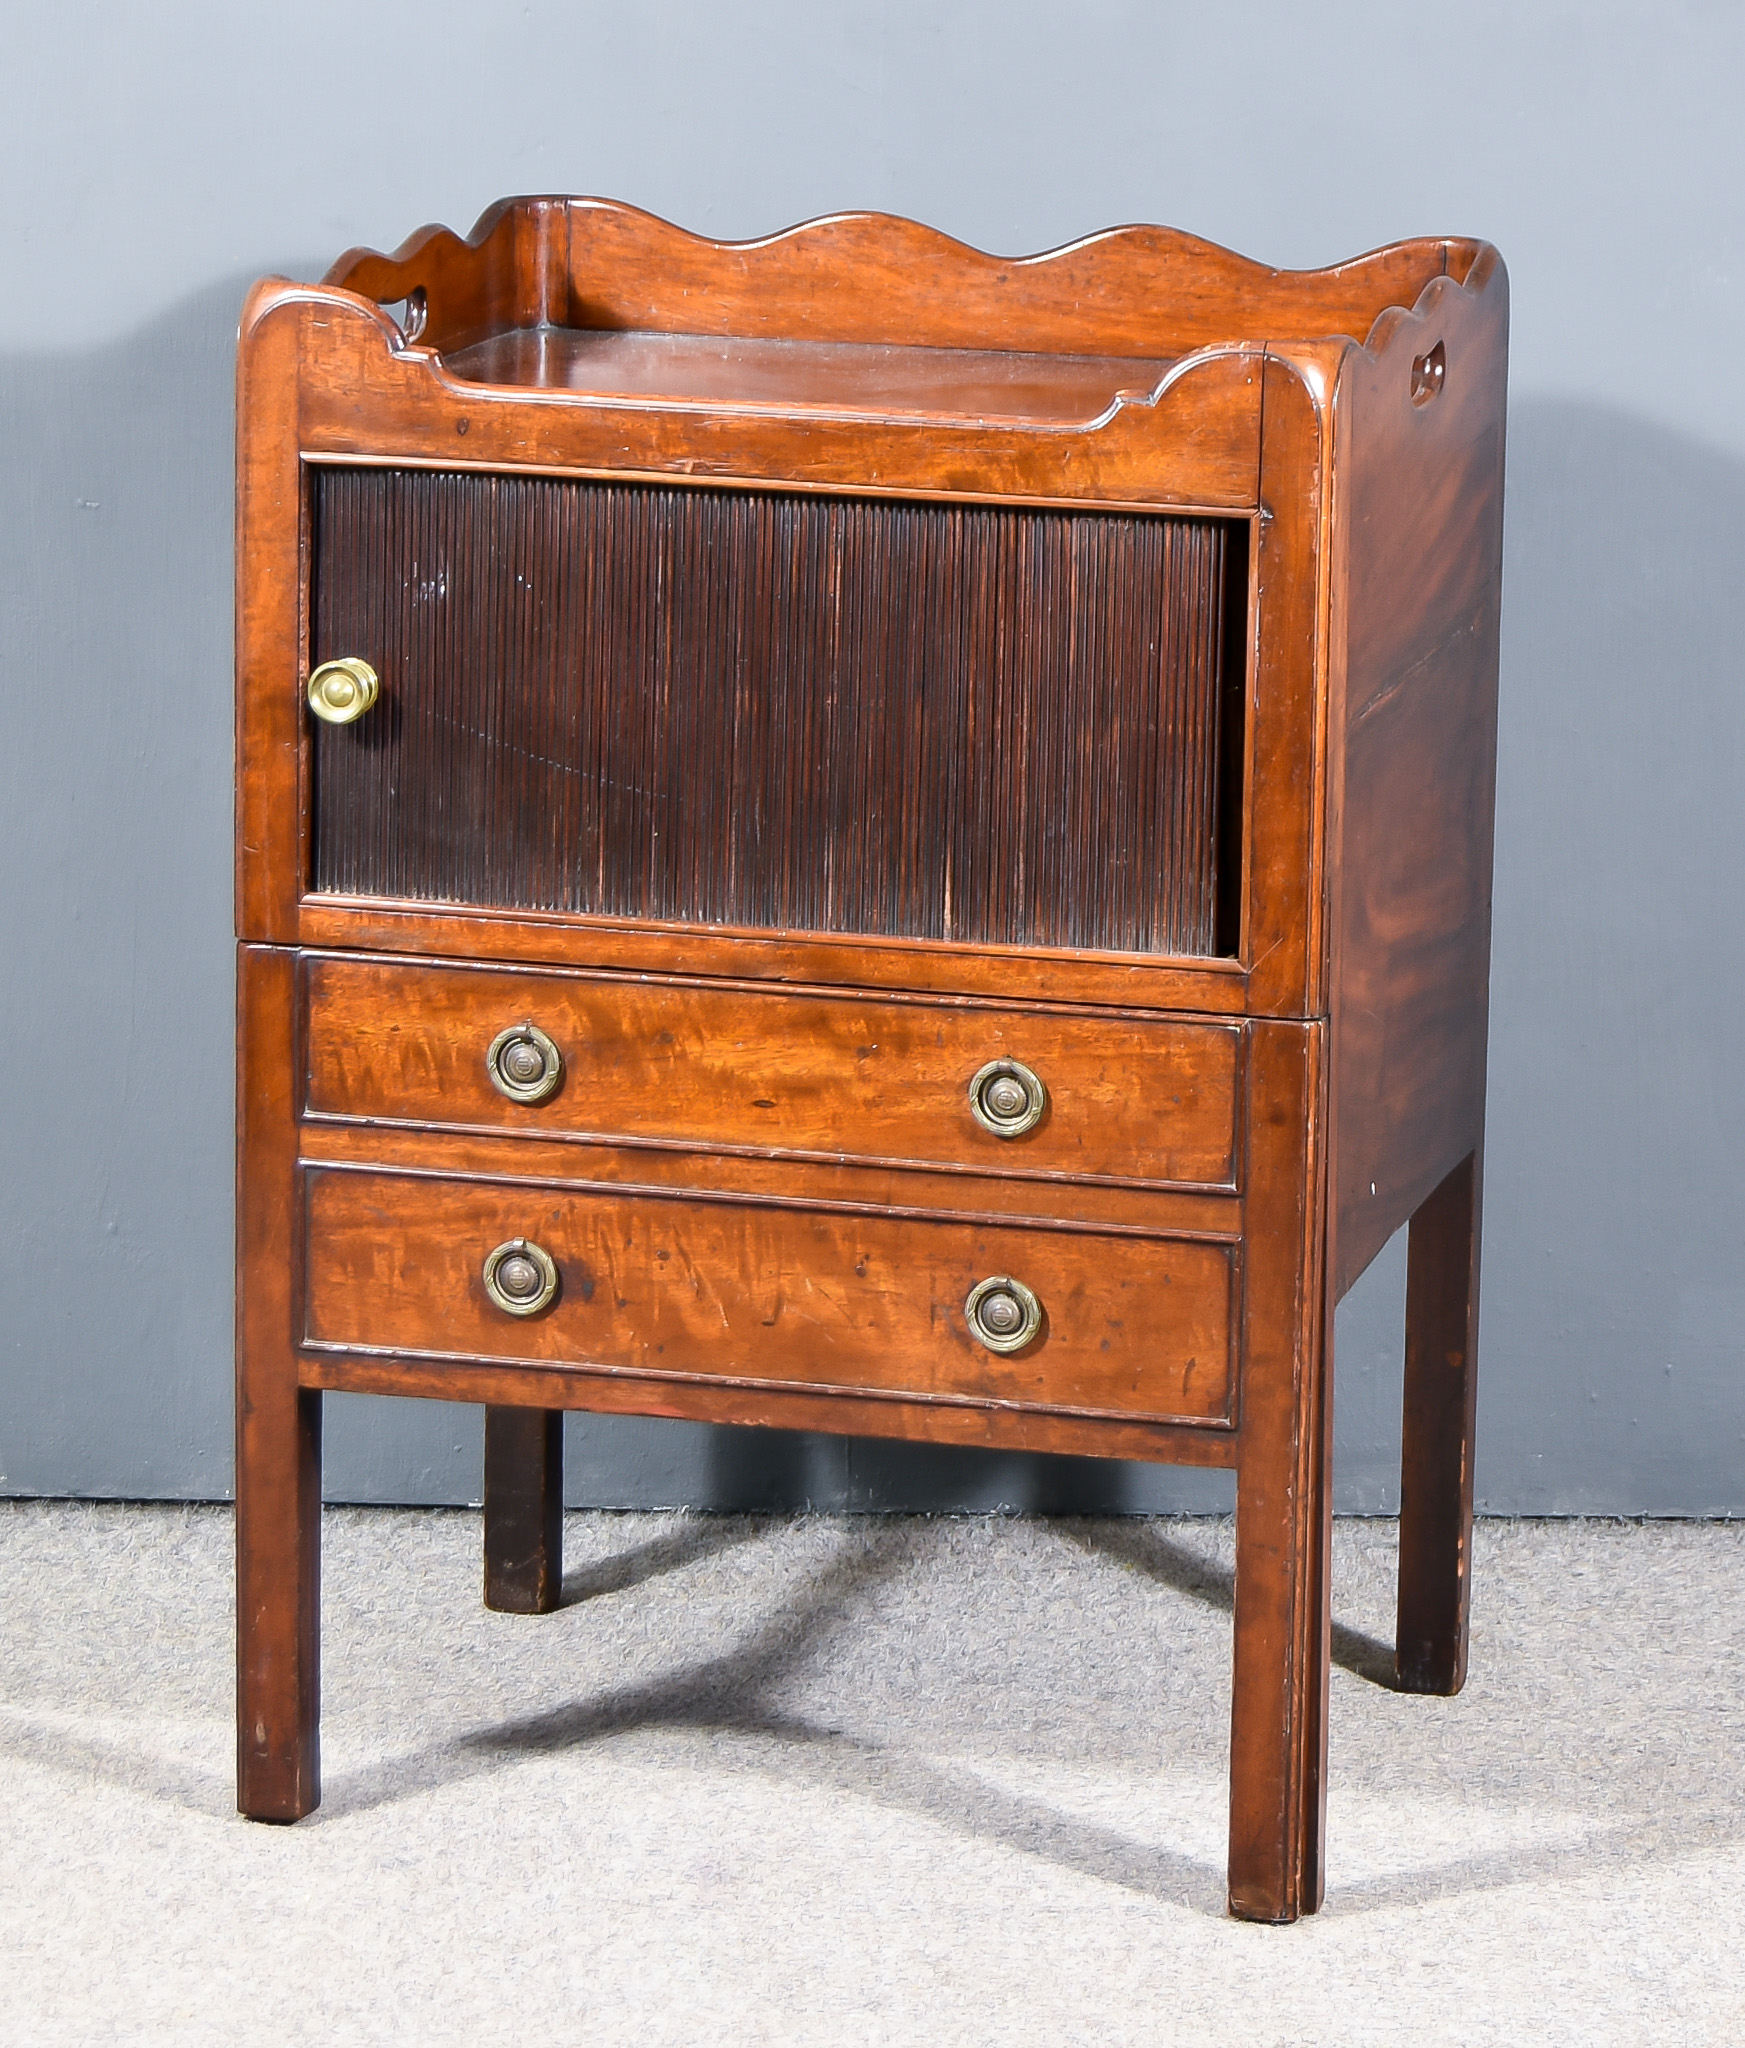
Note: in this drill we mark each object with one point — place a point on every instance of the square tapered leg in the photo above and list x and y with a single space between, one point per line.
523 1509
1436 1463
278 1424
1278 1721
278 1588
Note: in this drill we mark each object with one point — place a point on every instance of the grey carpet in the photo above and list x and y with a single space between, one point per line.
861 1781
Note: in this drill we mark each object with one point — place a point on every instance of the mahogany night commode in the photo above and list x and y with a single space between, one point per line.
844 833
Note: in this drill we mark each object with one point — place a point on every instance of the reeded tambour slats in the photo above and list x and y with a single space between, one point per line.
781 711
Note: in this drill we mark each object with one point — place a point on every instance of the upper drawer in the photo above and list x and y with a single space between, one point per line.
808 1075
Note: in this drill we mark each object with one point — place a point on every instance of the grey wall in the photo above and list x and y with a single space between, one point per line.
152 161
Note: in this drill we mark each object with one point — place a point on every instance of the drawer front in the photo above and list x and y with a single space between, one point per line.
765 1295
763 1071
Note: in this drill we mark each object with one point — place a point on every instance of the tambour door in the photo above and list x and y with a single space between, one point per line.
782 711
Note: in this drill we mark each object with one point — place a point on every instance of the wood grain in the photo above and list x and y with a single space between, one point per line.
1038 976
370 398
972 1425
318 374
769 1297
596 263
1282 817
1023 1200
968 386
1278 1717
782 712
819 1076
1441 1409
1419 493
278 1421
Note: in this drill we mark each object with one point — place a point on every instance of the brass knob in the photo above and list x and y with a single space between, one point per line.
520 1277
1007 1098
342 690
1002 1313
524 1064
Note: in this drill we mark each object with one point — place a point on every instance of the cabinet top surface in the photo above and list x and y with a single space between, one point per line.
857 312
754 373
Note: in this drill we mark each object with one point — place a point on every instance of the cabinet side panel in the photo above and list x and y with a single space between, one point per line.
1419 498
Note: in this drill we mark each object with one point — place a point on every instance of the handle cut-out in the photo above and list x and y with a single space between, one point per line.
409 314
1428 372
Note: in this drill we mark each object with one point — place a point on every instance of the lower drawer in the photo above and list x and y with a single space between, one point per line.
765 1294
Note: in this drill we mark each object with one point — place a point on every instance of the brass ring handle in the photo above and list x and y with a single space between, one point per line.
521 1277
524 1064
1002 1313
341 691
1007 1098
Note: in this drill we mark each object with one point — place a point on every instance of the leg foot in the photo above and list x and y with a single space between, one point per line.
1278 1732
278 1604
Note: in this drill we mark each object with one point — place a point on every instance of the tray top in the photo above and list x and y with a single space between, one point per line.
860 313
757 375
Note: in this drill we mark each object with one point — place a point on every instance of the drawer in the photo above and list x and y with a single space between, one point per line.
806 1075
758 1293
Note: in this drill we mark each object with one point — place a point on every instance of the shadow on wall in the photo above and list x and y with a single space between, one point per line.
1615 1286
